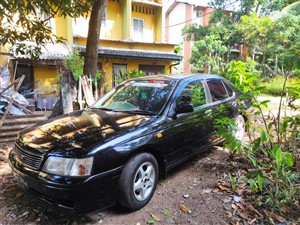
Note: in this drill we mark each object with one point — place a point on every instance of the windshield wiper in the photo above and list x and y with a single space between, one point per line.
105 109
144 112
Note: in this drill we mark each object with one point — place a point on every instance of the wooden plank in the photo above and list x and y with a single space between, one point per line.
87 91
80 93
11 100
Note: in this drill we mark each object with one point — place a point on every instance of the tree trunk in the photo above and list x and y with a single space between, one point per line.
91 55
68 94
66 91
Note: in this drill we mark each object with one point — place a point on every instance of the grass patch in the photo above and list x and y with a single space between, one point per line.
274 85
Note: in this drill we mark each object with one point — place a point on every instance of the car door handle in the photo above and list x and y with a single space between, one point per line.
208 112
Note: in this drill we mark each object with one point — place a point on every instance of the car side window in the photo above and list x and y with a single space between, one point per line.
217 90
192 93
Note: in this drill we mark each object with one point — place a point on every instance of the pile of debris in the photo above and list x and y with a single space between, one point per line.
11 102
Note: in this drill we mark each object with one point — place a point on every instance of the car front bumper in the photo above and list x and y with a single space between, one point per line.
71 194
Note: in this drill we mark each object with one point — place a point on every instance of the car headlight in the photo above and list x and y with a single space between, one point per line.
68 166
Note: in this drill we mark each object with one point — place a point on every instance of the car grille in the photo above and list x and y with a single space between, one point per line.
29 159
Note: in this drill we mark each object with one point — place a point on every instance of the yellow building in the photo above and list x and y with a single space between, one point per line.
132 38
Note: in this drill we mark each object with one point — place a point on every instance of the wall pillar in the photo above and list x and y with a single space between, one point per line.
187 49
127 19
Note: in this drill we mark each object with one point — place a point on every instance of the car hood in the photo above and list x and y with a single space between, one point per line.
80 129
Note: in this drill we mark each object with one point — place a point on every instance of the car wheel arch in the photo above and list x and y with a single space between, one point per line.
153 150
138 181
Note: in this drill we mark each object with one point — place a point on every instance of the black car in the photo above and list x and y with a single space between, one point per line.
115 150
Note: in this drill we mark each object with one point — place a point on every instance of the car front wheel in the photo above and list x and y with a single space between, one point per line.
138 181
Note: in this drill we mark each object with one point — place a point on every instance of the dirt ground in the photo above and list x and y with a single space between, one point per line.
188 196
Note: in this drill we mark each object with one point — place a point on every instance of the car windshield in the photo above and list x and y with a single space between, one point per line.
138 96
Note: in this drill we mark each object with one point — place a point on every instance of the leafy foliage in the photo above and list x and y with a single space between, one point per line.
272 41
29 21
243 74
75 63
208 51
271 156
131 74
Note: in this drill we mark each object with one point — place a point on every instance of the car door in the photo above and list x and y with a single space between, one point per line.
188 132
223 100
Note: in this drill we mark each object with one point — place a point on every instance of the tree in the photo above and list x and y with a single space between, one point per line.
91 56
247 7
256 34
27 21
277 40
208 51
271 41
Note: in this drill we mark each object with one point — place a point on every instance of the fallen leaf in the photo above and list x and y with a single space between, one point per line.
229 214
216 190
251 208
223 187
19 194
274 216
155 217
24 214
252 221
285 209
241 206
243 215
234 206
240 192
184 208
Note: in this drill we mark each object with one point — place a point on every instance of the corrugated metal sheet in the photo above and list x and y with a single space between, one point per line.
130 53
147 2
49 51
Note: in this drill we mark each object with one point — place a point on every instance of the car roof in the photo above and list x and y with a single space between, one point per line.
189 76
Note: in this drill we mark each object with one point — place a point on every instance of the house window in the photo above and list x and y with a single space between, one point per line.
119 73
104 18
198 16
138 29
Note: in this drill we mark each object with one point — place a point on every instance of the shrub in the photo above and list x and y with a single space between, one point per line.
270 158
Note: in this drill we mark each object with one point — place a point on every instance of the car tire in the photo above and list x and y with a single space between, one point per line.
240 128
138 181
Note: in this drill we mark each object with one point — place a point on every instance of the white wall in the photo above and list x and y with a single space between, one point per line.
176 23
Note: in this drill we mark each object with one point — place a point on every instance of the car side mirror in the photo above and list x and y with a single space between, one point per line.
184 108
